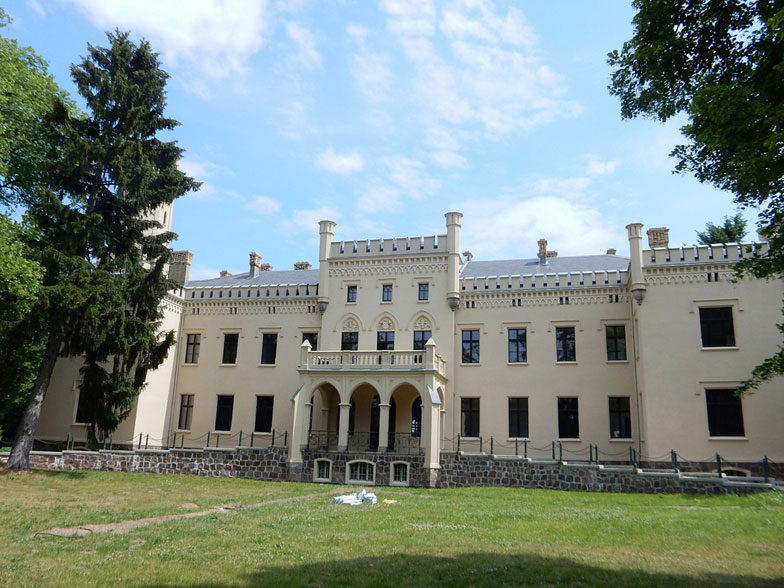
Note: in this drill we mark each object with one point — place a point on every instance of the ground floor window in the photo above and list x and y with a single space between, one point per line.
518 417
186 412
469 417
360 471
264 405
568 419
725 413
620 417
224 412
323 469
400 473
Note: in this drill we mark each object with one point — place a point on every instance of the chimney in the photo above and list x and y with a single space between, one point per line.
302 265
611 251
255 264
224 273
180 266
468 255
658 237
542 251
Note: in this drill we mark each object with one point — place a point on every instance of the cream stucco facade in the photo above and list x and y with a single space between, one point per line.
404 345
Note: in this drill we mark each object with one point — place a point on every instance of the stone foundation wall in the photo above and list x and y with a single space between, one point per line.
245 462
460 469
457 469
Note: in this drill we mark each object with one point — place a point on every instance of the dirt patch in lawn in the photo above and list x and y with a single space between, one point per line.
129 525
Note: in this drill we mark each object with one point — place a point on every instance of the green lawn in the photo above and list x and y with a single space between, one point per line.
468 537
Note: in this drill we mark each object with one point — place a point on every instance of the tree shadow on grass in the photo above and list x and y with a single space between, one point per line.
477 570
70 474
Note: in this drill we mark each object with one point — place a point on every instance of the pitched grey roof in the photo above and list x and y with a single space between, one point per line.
268 278
555 265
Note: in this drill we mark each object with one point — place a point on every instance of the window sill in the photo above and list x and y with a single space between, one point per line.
348 302
477 364
262 433
720 349
422 301
570 440
728 438
182 430
227 365
322 480
621 440
518 438
267 365
189 365
516 363
617 361
386 302
470 438
566 362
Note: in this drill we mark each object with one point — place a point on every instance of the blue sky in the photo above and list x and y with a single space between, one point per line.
384 115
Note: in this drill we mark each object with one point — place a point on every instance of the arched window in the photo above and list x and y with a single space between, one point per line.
416 418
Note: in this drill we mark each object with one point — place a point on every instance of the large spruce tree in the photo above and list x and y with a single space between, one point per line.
103 259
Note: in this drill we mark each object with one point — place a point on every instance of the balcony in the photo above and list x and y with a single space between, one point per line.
363 361
366 441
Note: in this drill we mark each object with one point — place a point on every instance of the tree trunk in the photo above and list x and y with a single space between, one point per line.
23 443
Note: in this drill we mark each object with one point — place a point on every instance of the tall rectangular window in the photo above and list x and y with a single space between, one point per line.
469 417
186 412
224 412
82 413
264 406
424 291
568 419
616 342
620 417
518 417
230 341
470 346
351 293
564 344
269 348
192 344
725 413
386 293
312 338
420 338
716 326
349 341
518 349
385 340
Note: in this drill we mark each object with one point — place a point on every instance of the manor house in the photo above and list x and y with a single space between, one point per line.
395 350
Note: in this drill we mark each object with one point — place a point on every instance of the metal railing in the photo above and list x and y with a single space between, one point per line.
366 441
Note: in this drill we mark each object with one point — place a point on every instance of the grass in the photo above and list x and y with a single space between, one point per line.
466 537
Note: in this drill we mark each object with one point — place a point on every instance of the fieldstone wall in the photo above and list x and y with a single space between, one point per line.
245 462
461 469
457 469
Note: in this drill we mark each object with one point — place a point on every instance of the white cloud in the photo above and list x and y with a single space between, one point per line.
294 120
598 167
200 170
308 55
209 38
410 17
410 176
339 163
558 209
264 206
379 197
370 70
490 75
447 159
307 219
36 7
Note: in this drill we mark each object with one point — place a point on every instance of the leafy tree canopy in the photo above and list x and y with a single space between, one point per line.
721 62
732 230
26 94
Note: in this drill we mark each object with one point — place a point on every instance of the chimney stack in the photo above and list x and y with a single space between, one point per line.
611 251
658 237
542 251
255 264
224 273
180 266
302 265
